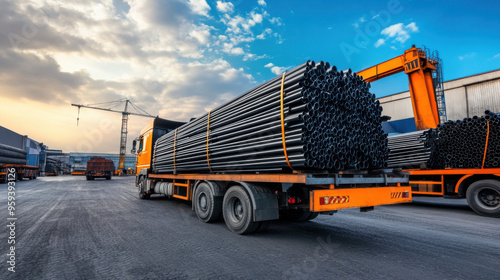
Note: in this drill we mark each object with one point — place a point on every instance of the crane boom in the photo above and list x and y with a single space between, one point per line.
419 68
123 136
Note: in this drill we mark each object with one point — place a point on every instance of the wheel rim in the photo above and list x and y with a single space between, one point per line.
202 202
141 186
489 197
237 209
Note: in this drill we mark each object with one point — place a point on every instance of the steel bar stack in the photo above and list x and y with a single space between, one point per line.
465 143
12 155
327 118
407 150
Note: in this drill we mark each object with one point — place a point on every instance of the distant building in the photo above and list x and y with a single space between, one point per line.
77 160
34 149
465 97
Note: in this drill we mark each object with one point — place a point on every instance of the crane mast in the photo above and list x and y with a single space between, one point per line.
125 114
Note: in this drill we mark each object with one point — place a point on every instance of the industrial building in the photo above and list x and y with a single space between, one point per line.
36 151
78 161
465 97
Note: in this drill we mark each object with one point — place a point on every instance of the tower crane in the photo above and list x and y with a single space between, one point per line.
125 113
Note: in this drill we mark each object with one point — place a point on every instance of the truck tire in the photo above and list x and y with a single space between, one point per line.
207 207
108 177
141 186
484 197
298 215
237 210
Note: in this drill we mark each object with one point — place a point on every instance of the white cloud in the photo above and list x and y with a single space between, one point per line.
267 31
362 19
379 43
399 32
149 50
276 20
257 18
262 3
225 7
231 49
496 56
276 69
201 33
199 7
412 26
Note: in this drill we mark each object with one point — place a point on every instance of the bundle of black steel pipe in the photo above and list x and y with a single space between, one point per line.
313 117
407 150
12 155
468 143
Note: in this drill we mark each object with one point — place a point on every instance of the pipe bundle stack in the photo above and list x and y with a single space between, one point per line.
407 150
12 155
330 122
466 143
53 166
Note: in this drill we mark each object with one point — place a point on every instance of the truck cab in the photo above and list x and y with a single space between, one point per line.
144 144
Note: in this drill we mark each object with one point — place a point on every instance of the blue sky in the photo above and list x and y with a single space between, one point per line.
180 58
466 34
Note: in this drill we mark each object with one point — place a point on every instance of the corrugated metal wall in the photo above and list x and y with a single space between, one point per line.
483 96
456 103
465 97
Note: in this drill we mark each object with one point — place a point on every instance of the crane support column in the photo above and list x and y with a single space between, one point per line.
419 68
123 141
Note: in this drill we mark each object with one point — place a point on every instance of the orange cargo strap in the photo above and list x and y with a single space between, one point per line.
175 140
486 144
283 122
208 133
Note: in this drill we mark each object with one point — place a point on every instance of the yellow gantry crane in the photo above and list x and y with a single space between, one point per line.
125 113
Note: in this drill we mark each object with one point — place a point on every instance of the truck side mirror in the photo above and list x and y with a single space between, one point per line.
134 143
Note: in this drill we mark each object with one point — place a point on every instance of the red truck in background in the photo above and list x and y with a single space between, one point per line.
99 167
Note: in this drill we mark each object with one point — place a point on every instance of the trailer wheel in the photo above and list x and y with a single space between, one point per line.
484 197
207 207
141 186
238 211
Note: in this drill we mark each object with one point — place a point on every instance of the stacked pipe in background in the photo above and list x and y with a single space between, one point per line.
407 150
461 144
331 122
53 166
12 155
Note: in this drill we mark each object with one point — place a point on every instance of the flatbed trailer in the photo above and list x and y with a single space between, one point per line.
248 202
22 171
480 186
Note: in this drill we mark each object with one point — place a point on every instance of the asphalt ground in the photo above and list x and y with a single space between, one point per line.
70 228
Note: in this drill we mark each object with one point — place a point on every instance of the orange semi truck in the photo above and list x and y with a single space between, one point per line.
249 201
